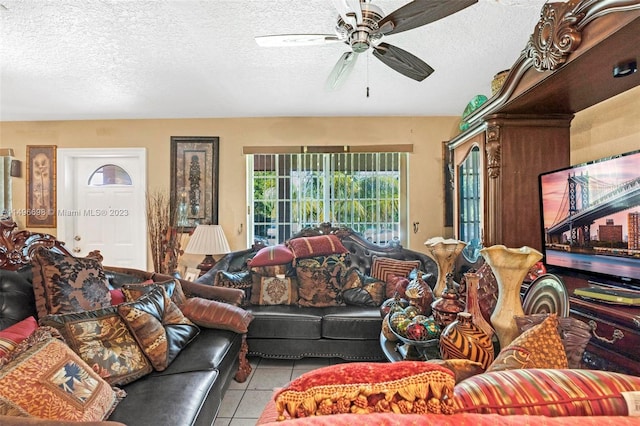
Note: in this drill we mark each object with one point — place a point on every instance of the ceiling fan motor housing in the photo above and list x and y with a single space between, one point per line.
365 34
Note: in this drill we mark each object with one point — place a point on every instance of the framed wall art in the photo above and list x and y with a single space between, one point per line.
194 181
41 186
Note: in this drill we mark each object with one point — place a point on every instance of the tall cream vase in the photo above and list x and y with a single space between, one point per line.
510 266
445 253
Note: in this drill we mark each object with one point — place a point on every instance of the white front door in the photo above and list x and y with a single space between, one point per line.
101 204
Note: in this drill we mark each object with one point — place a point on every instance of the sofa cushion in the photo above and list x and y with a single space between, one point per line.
17 301
103 341
384 267
274 290
64 284
320 280
159 326
320 245
538 347
360 388
278 254
213 314
547 392
351 323
48 380
173 288
285 322
11 336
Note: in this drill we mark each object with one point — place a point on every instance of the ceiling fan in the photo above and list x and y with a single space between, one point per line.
362 25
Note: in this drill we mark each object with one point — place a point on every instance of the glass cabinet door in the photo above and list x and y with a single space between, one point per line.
469 197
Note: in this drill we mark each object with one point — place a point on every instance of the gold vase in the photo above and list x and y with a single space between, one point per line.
445 253
510 266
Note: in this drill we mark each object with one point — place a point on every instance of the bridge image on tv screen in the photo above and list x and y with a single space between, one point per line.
591 216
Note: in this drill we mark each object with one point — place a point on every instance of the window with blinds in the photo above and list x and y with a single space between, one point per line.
291 191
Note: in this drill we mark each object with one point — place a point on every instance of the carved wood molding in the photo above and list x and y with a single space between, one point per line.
492 149
555 36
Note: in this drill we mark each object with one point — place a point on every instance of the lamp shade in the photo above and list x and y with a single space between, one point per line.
208 239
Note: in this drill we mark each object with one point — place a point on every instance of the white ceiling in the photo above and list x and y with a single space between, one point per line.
112 59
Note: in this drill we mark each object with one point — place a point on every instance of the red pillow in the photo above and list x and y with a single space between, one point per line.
117 296
272 255
321 245
11 336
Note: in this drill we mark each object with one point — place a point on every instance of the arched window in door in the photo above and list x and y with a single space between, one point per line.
109 174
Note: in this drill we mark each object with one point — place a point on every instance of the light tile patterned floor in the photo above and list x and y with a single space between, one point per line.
243 403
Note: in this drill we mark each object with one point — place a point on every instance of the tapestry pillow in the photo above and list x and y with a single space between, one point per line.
104 342
362 290
367 387
574 334
461 368
538 347
159 326
272 255
49 381
320 245
213 314
241 280
173 288
384 267
11 336
274 291
64 284
547 392
272 270
320 280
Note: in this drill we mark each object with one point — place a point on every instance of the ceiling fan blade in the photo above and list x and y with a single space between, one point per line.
419 13
296 40
350 11
341 70
402 61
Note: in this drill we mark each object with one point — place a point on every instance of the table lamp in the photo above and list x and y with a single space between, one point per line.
207 240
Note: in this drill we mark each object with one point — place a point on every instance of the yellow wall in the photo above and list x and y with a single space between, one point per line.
608 128
425 164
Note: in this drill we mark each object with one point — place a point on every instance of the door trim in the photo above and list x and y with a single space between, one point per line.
64 185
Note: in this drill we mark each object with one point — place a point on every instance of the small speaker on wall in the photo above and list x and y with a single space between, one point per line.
16 168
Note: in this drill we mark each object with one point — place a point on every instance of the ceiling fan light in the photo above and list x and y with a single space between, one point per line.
359 41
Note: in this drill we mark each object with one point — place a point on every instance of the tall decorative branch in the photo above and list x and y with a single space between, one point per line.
164 234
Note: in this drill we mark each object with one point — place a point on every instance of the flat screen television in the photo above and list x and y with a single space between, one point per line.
591 219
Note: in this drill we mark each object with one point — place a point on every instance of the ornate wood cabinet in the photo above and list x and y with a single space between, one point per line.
524 130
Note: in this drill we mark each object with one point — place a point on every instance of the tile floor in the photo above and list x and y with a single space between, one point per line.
243 403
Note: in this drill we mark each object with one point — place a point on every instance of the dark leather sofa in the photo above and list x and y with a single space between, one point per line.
188 392
348 332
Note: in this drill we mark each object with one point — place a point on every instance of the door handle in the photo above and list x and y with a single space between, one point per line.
77 249
77 238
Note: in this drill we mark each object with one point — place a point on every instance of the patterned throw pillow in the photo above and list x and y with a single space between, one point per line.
11 336
320 280
64 284
383 268
362 290
213 314
321 245
274 291
241 280
49 381
104 342
538 347
366 387
546 392
173 288
159 326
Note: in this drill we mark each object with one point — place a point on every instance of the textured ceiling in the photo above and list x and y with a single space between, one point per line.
111 59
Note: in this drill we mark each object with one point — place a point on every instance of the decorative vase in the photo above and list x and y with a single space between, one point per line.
462 339
420 295
510 266
472 306
445 309
444 252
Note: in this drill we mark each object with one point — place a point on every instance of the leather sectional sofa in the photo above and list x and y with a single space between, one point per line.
188 392
347 331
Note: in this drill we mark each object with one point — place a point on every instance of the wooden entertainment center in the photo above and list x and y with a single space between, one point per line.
524 130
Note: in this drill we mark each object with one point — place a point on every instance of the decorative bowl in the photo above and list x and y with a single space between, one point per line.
417 349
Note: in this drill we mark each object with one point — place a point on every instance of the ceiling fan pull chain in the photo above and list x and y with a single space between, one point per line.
368 57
